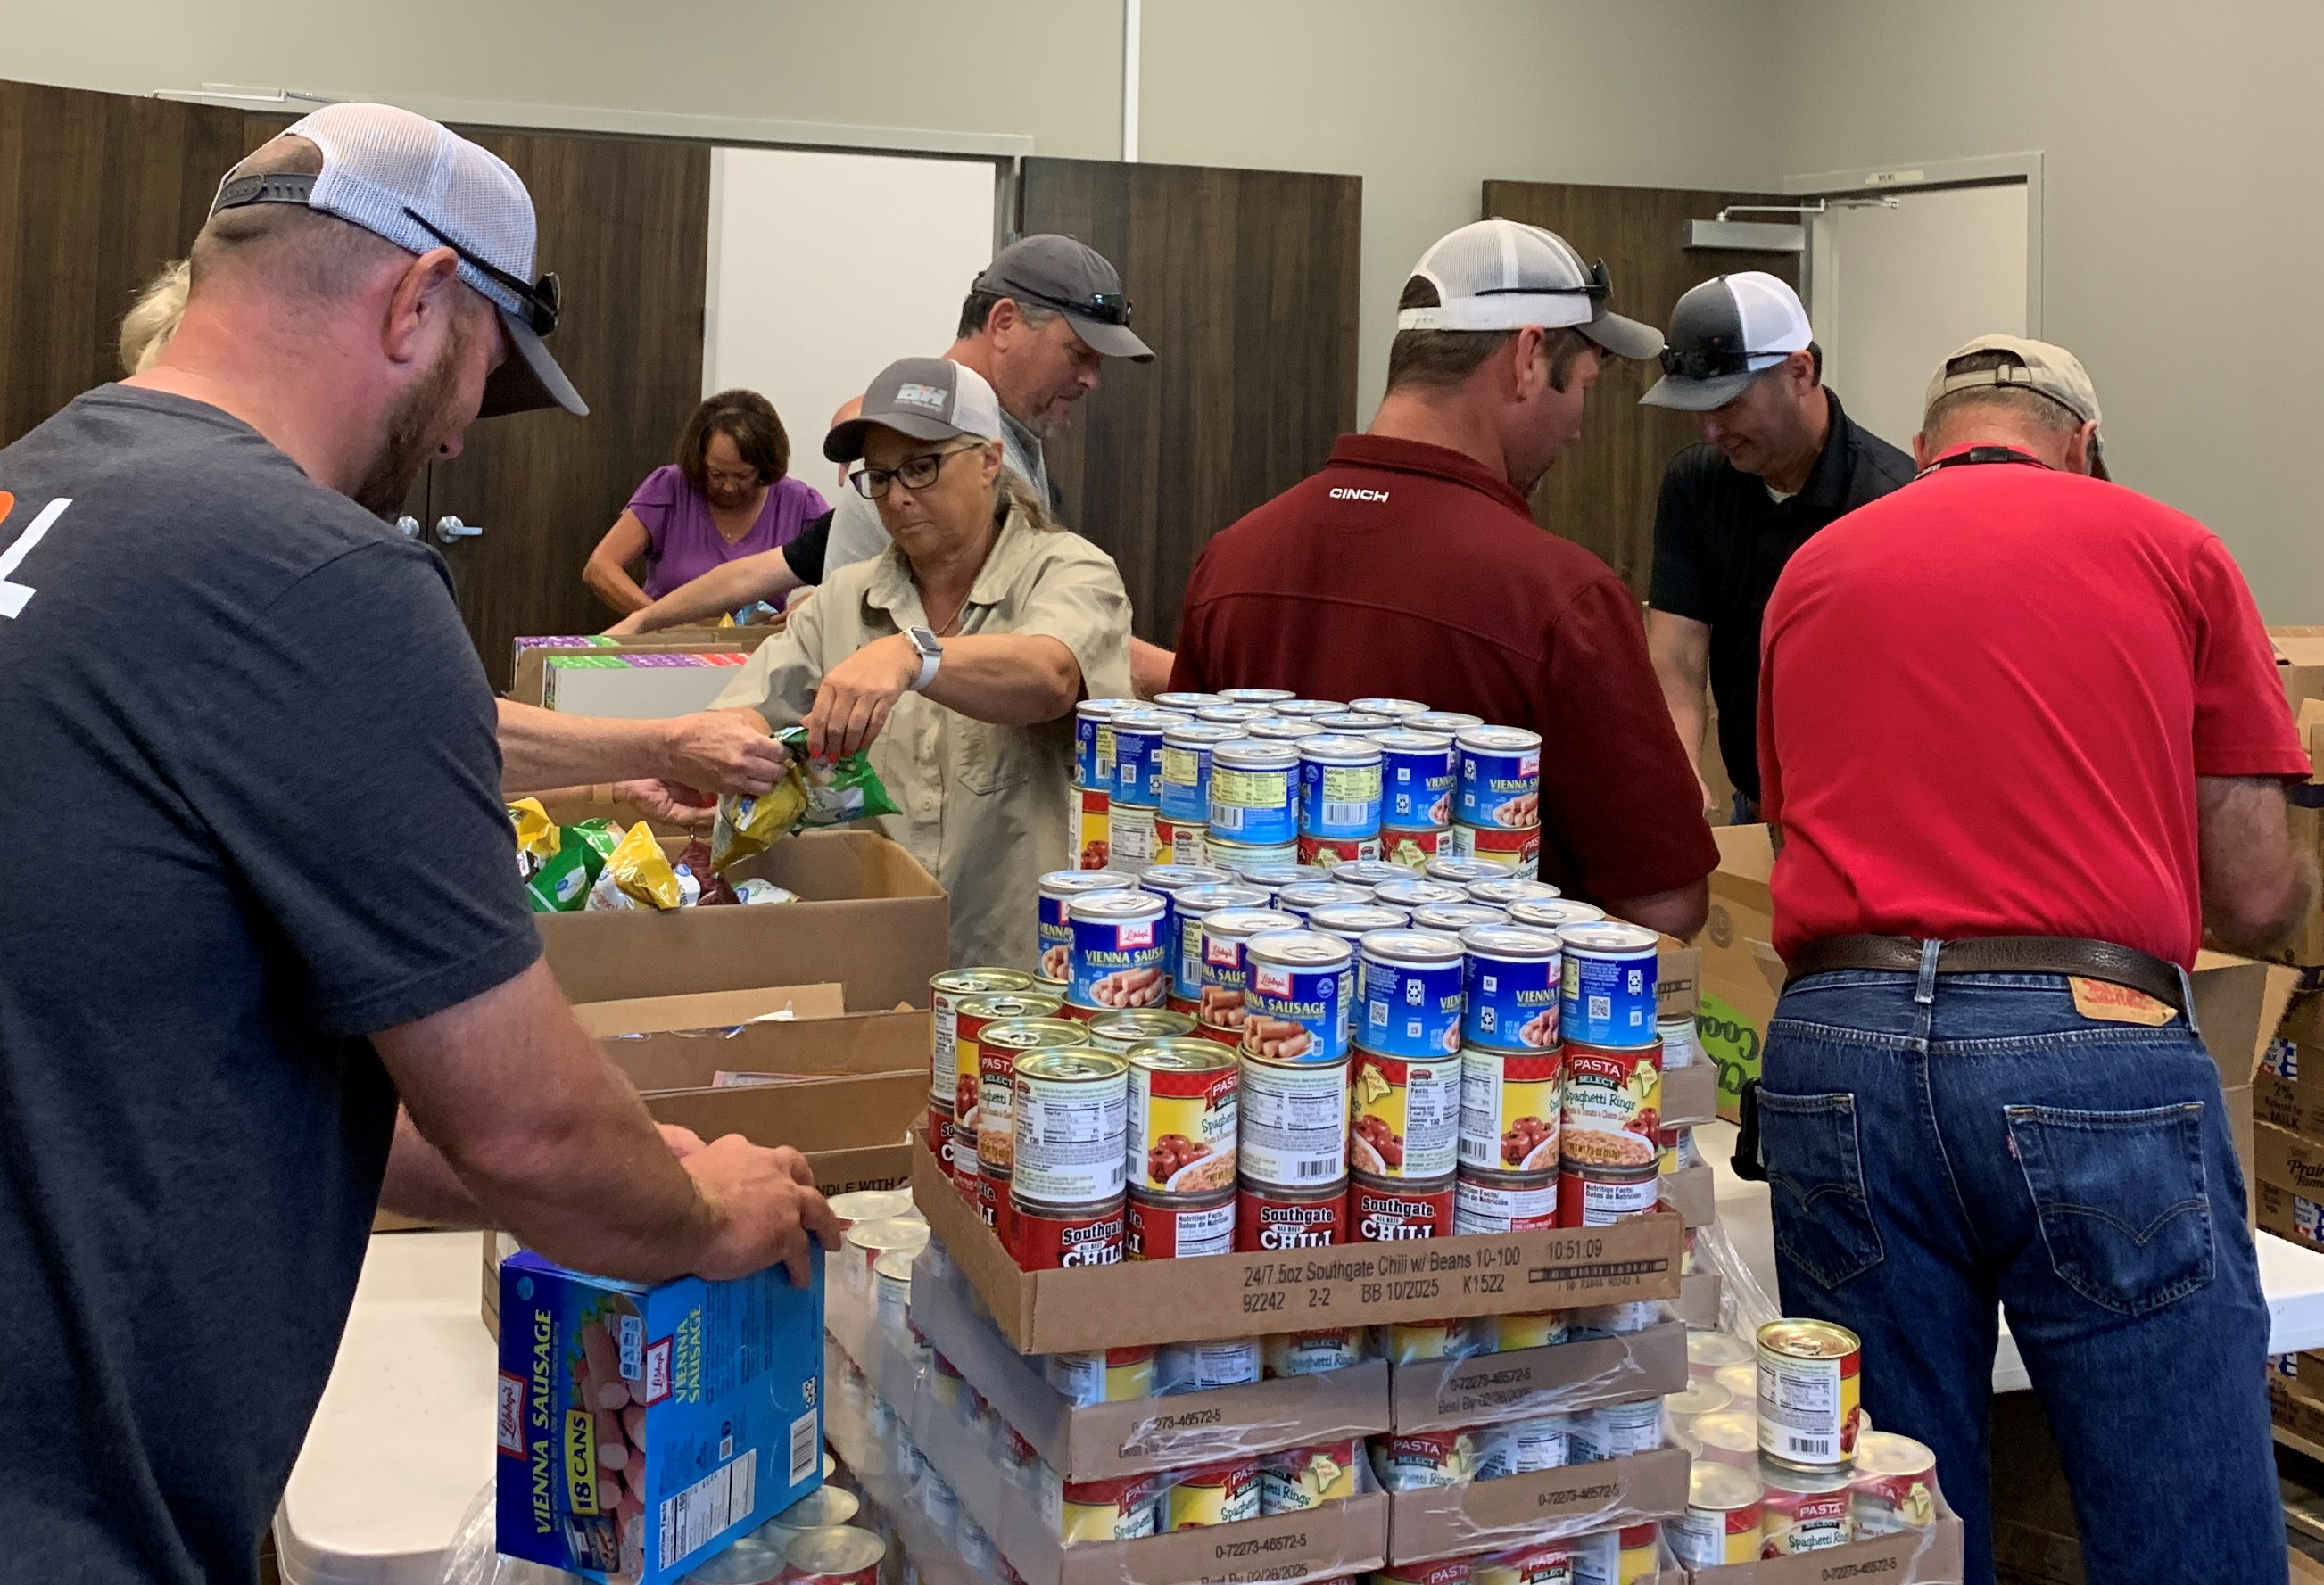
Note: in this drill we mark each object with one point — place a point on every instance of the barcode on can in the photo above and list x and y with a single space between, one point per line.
1318 1169
805 1446
696 1517
1812 1446
1337 814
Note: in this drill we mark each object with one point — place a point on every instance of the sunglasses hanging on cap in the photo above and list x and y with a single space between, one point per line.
1598 285
541 299
1712 361
1107 307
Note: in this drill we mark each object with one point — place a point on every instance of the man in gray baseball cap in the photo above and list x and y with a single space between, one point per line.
311 912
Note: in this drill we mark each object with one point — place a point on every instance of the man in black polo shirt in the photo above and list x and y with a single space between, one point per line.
1779 460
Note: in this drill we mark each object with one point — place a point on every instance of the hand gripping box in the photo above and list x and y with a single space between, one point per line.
640 1429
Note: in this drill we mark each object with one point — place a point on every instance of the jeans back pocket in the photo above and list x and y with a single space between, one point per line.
2121 1201
1815 1179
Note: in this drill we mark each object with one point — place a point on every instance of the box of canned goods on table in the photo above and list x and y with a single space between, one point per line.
1582 1496
1612 1354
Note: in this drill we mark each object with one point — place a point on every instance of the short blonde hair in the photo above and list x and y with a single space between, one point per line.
153 318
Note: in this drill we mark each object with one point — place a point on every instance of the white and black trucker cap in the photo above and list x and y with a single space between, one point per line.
1725 334
1501 275
423 186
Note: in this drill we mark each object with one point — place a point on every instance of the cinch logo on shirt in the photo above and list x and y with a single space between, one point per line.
1345 492
927 396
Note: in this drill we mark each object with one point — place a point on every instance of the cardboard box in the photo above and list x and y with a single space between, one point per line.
869 918
2279 1211
1678 979
730 1377
1933 1556
1340 1285
2300 663
1741 975
1690 1095
529 671
1339 1538
1699 1295
1485 1516
639 685
1692 1192
1095 1441
709 1012
1487 1389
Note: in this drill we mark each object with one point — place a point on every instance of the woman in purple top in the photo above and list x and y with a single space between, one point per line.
728 495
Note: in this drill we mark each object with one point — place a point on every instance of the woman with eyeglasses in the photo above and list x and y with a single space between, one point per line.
957 655
729 495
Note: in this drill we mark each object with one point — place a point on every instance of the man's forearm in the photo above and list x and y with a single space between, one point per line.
1149 668
421 1183
1687 715
542 749
1009 680
766 576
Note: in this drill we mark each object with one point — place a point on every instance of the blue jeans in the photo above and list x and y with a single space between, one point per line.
1942 1147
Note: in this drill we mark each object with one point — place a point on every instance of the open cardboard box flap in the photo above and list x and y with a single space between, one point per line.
706 1010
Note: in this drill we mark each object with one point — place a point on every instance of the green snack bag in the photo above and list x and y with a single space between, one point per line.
561 885
837 790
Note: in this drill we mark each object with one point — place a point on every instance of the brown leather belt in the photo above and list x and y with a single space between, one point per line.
1996 955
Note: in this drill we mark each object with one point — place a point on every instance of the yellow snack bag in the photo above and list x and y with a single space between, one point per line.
638 874
747 824
537 839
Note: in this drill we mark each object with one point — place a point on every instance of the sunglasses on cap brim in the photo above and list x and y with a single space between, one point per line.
1107 307
539 301
1715 361
1597 288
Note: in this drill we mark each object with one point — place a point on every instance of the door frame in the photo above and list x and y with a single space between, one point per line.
1976 171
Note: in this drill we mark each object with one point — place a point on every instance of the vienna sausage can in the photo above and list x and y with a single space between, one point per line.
1184 1118
1499 777
1054 936
1415 892
1188 908
1297 999
1417 775
1254 792
1094 740
1351 922
1167 1227
1224 998
1463 873
1394 708
1371 873
1412 989
1610 983
1405 1118
1555 913
1120 957
1339 788
1503 889
1184 789
1138 755
1303 898
1269 696
1511 988
1267 1218
1452 918
1072 1129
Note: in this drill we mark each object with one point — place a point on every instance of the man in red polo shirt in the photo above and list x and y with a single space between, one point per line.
1410 566
2023 745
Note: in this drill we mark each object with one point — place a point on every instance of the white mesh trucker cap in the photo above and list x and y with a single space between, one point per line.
1501 275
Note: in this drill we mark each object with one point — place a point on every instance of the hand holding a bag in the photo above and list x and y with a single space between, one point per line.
856 695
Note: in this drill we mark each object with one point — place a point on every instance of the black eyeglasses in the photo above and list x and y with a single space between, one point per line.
1107 307
541 299
1714 361
917 472
1598 286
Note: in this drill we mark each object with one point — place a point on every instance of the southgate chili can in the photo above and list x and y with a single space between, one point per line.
1184 1118
1412 990
1452 918
1415 779
1165 1227
1406 1117
1599 1196
1485 1202
1610 983
1254 787
1511 988
1612 1105
1511 1110
1093 741
997 1030
1340 789
1801 1510
1119 956
1808 1387
1048 1237
1054 936
1188 908
947 991
1298 1001
1225 975
1270 1218
1184 790
1512 851
1294 1129
1354 921
1385 1210
1498 777
1072 1129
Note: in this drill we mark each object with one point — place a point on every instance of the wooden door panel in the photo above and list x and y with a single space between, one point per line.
1244 284
625 225
97 192
1602 493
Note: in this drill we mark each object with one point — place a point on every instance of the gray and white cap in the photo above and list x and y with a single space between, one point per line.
927 399
1725 334
423 186
1502 275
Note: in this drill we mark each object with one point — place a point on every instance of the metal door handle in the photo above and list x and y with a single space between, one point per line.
448 528
407 526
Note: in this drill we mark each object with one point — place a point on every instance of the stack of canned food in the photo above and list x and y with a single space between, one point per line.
1284 1057
1784 1461
827 1537
1251 775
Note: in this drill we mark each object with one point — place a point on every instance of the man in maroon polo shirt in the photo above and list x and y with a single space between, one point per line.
1410 566
2021 739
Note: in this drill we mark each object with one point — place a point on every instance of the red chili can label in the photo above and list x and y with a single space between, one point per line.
1382 1212
1487 1205
1051 1237
1511 1103
1004 1214
1330 851
1596 1196
1089 832
1517 851
1269 1219
1166 1229
1612 1104
990 1192
1409 849
938 1137
1181 841
1406 1117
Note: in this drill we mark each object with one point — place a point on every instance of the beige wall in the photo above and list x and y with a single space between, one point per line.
2180 232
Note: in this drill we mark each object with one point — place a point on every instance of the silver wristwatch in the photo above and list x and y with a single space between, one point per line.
931 654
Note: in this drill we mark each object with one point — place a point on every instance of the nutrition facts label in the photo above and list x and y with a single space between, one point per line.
1800 1409
1294 1124
702 1509
1070 1147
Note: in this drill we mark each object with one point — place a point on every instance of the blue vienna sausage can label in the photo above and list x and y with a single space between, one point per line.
1416 776
1610 983
1052 935
1138 755
1512 988
1296 1004
1412 993
1093 741
1183 780
1499 777
1119 954
1254 794
1339 788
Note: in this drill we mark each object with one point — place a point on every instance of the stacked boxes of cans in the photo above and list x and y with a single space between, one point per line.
1784 1461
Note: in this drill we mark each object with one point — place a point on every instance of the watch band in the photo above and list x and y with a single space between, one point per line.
930 658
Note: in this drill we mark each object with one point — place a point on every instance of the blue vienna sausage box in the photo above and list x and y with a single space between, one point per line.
641 1429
